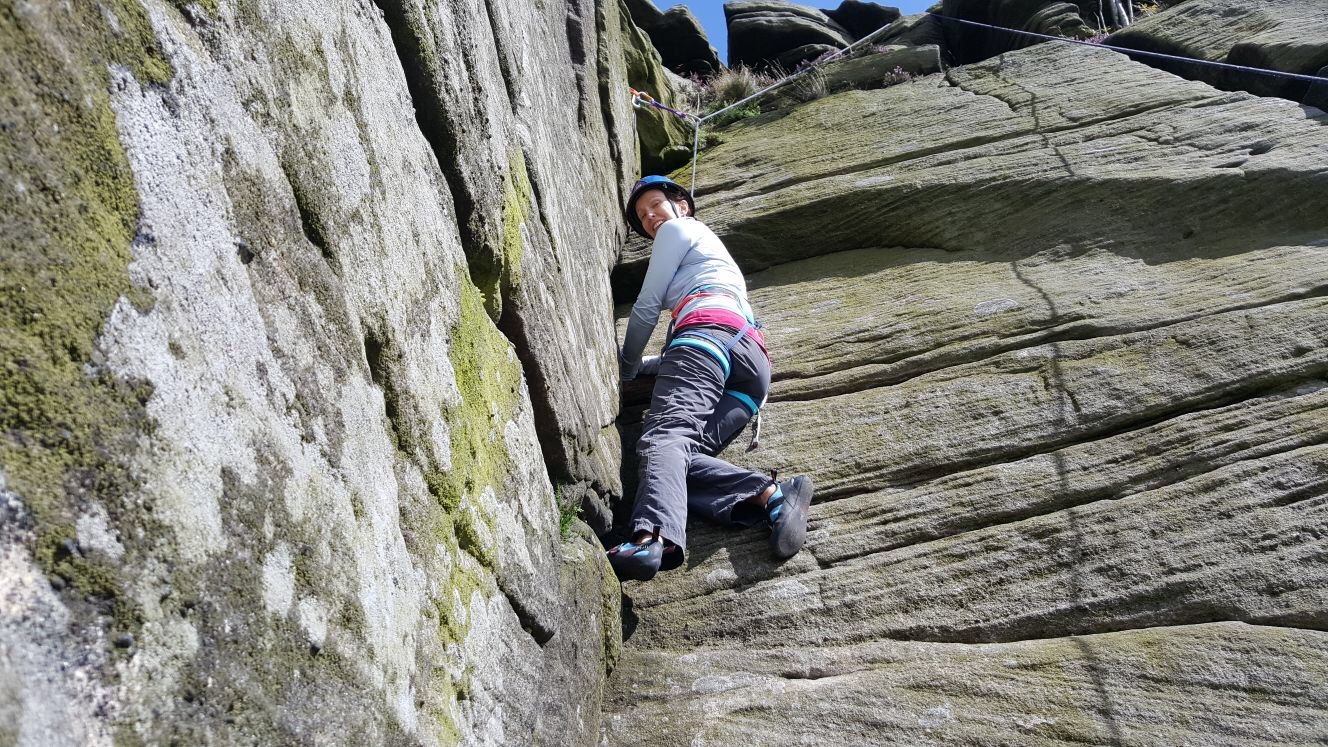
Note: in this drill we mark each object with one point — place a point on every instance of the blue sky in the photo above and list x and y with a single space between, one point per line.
711 14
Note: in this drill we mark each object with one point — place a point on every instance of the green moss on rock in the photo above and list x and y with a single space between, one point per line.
71 211
496 273
488 377
207 6
656 130
518 196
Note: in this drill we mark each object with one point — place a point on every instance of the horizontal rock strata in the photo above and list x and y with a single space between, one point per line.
763 33
1048 334
1285 35
1179 685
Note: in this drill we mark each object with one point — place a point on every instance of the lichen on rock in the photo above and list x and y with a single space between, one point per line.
488 378
241 346
497 273
72 210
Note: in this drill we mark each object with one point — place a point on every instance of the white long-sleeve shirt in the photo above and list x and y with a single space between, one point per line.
686 254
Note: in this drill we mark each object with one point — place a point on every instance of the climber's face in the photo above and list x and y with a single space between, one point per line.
654 207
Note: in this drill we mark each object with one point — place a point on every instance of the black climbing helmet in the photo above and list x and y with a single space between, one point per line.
662 183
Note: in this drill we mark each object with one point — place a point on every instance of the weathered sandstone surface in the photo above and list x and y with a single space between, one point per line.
1049 334
1286 35
307 367
304 313
677 35
772 32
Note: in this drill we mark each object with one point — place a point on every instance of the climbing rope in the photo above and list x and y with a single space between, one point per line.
1141 52
641 99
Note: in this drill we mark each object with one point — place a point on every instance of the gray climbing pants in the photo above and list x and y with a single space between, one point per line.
691 419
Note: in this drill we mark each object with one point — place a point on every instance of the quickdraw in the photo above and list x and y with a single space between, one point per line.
641 99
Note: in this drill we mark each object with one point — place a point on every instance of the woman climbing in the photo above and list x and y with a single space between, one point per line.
709 382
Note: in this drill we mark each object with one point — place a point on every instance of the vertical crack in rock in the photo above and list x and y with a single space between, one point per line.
498 188
513 327
310 223
534 178
493 235
603 68
489 267
530 622
576 45
495 225
413 54
380 375
504 64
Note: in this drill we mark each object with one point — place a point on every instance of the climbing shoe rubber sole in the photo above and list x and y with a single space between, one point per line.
788 518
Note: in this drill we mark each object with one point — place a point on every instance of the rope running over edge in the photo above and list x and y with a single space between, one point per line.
640 98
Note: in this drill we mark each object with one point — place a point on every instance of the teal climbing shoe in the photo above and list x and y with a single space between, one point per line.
787 511
638 562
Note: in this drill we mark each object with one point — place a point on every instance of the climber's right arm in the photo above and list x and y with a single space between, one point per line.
671 244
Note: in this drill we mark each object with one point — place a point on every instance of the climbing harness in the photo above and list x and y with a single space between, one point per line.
722 352
715 298
715 303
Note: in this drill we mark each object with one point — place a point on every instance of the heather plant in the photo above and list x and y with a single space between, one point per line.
897 76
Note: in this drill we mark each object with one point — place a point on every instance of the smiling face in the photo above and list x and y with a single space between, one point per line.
654 207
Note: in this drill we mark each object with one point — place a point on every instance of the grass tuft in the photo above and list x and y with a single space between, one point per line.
811 86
